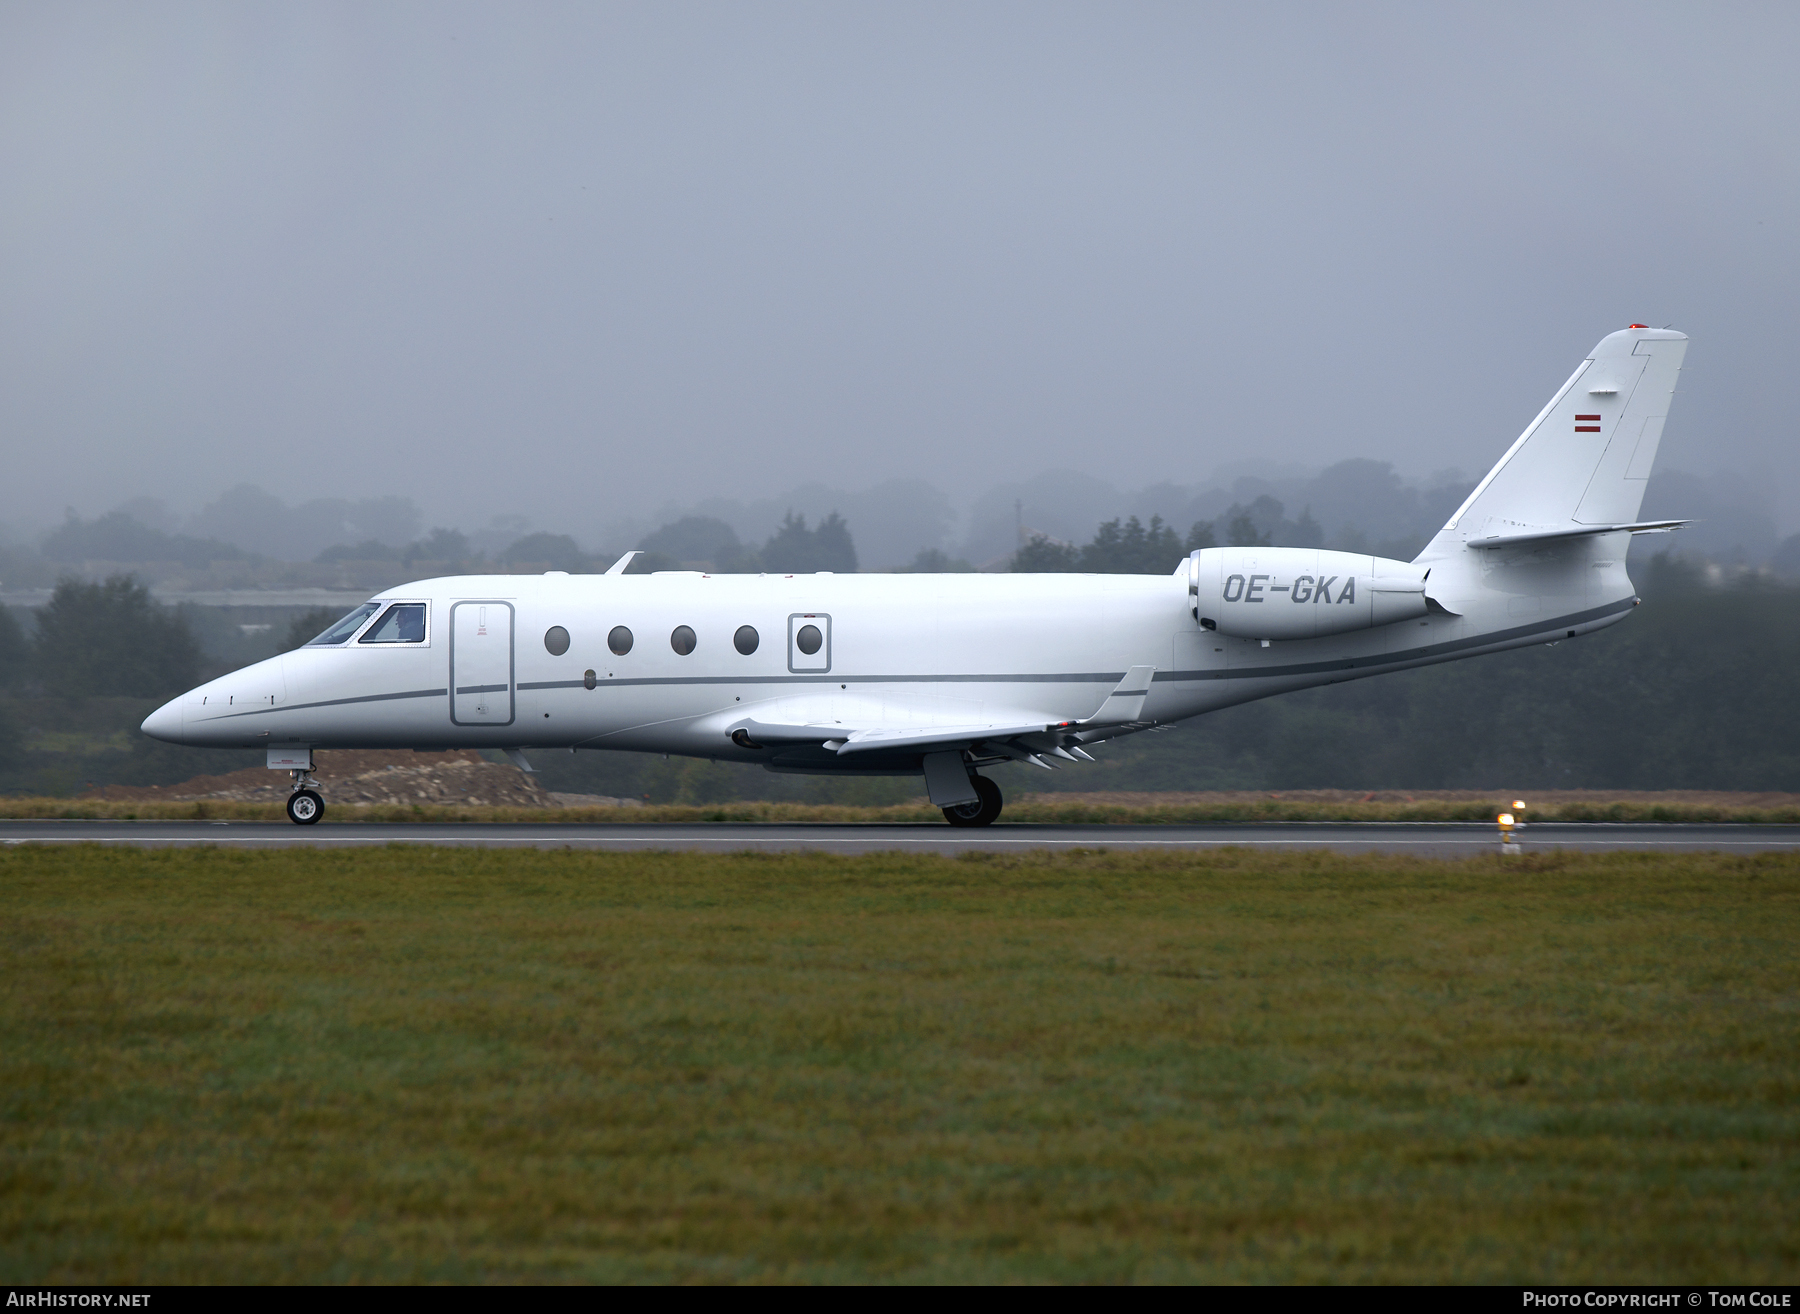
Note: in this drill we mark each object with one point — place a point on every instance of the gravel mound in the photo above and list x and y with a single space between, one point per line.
352 775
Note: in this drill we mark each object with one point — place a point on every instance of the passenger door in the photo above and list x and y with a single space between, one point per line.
481 663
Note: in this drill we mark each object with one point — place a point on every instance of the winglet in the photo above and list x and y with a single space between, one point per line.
618 567
1126 702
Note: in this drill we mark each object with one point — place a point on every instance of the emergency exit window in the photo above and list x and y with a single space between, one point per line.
404 622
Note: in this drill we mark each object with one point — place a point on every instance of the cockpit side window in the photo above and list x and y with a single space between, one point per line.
404 622
341 631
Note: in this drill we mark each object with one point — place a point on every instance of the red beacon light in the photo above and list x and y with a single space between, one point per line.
1632 326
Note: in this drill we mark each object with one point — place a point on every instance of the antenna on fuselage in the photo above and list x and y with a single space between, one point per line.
618 567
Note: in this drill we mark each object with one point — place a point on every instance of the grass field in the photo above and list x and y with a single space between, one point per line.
464 1065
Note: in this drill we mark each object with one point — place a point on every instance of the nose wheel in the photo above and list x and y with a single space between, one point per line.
304 806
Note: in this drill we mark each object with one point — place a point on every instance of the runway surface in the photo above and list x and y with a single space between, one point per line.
1435 839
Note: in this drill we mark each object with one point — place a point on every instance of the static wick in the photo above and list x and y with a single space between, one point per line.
1510 825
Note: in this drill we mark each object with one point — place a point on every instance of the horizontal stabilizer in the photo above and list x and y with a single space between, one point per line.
1579 531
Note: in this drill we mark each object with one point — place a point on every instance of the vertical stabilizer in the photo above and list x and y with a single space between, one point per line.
1586 458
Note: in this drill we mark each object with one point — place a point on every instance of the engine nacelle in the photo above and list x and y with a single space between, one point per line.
1300 593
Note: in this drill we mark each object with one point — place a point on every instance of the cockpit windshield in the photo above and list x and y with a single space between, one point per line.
403 623
345 628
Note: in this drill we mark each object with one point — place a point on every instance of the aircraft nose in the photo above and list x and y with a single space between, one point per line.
165 722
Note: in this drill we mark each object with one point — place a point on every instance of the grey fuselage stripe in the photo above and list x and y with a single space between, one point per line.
339 702
1091 677
1368 664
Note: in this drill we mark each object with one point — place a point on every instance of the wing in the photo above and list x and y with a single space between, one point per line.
1016 738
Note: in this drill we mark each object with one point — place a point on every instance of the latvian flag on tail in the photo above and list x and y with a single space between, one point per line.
1582 427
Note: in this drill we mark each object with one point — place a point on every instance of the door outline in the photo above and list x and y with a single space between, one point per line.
794 652
512 637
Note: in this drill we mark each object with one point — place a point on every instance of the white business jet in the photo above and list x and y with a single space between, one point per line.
943 675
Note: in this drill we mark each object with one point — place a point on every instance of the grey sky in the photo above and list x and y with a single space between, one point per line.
585 261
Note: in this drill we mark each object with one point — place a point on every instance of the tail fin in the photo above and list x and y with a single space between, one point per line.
1584 461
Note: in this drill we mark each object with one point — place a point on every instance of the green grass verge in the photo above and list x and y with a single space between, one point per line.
462 1065
1042 809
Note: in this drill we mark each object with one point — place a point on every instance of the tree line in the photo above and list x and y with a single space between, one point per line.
1129 547
793 549
1691 691
103 639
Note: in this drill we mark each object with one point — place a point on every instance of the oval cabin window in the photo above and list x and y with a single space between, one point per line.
682 640
809 639
619 640
745 640
556 640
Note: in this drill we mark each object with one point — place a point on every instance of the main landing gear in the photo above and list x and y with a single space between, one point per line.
983 811
304 806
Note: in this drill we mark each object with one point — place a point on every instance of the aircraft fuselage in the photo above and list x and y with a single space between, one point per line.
893 650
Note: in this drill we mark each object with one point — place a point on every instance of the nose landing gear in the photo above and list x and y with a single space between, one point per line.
304 806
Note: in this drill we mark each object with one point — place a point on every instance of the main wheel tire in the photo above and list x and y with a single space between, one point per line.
983 812
305 807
